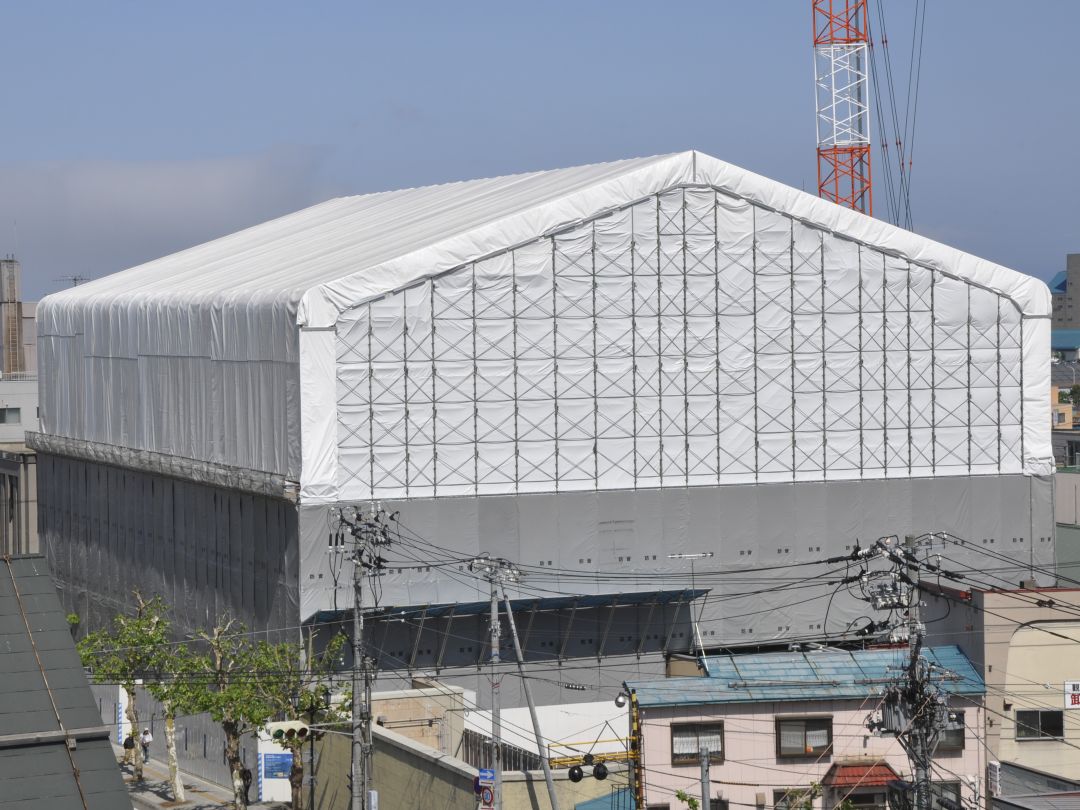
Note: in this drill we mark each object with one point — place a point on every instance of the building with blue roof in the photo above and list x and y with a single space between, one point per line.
774 723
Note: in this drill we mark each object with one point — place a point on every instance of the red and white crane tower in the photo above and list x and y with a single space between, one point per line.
841 64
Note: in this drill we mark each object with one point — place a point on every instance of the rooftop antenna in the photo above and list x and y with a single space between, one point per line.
75 280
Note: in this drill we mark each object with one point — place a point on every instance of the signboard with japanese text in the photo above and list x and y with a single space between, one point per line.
1072 694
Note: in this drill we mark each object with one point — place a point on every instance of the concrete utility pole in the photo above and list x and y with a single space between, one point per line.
368 534
496 699
540 746
361 706
498 572
703 754
914 709
490 569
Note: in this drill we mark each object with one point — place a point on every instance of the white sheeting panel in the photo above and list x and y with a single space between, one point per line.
680 341
223 317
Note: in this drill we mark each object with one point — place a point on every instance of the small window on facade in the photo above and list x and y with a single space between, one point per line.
10 416
803 737
791 798
1046 724
687 740
866 799
946 796
952 738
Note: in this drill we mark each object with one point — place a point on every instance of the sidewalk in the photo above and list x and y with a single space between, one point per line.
154 793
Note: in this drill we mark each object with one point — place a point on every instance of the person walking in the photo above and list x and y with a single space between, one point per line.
129 749
245 776
145 741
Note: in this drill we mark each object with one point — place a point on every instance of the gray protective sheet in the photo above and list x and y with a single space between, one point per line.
623 538
206 550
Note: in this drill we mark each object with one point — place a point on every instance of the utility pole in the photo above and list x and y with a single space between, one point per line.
361 709
540 747
703 754
498 572
496 699
914 709
490 569
917 689
368 533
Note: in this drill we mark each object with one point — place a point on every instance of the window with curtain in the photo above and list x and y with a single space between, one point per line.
688 739
803 737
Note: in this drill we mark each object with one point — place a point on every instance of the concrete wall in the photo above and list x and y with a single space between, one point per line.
1038 664
409 776
434 716
1023 666
200 742
750 763
406 774
18 500
20 393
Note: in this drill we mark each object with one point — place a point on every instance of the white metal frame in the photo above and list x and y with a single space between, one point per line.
692 338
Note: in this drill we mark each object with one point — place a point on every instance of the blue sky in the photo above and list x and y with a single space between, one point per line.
134 129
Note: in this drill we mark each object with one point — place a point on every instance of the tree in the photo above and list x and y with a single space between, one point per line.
230 673
299 687
174 683
126 653
1074 394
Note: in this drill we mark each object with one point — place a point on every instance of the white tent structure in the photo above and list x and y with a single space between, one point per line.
585 369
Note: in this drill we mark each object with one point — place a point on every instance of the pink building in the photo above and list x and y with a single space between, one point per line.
777 723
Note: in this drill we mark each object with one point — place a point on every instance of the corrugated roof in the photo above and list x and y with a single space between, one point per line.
1064 339
799 676
345 250
44 691
1044 801
341 236
872 774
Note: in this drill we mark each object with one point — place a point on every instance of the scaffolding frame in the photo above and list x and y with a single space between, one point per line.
690 338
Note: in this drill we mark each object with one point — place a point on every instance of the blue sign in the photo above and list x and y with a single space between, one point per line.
276 766
487 776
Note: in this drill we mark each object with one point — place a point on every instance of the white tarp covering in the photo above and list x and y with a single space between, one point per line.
670 320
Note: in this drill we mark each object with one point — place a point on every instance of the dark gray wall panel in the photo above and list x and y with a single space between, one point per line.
205 550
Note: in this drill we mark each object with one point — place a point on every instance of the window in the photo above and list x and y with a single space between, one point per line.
1046 724
952 738
946 796
865 799
10 416
803 737
687 740
792 798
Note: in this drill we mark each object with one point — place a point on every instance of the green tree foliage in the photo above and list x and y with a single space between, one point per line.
128 652
230 673
174 685
298 684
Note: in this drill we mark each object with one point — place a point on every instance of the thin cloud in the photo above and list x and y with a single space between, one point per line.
91 218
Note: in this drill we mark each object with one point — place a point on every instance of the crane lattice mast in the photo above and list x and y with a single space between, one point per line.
841 62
